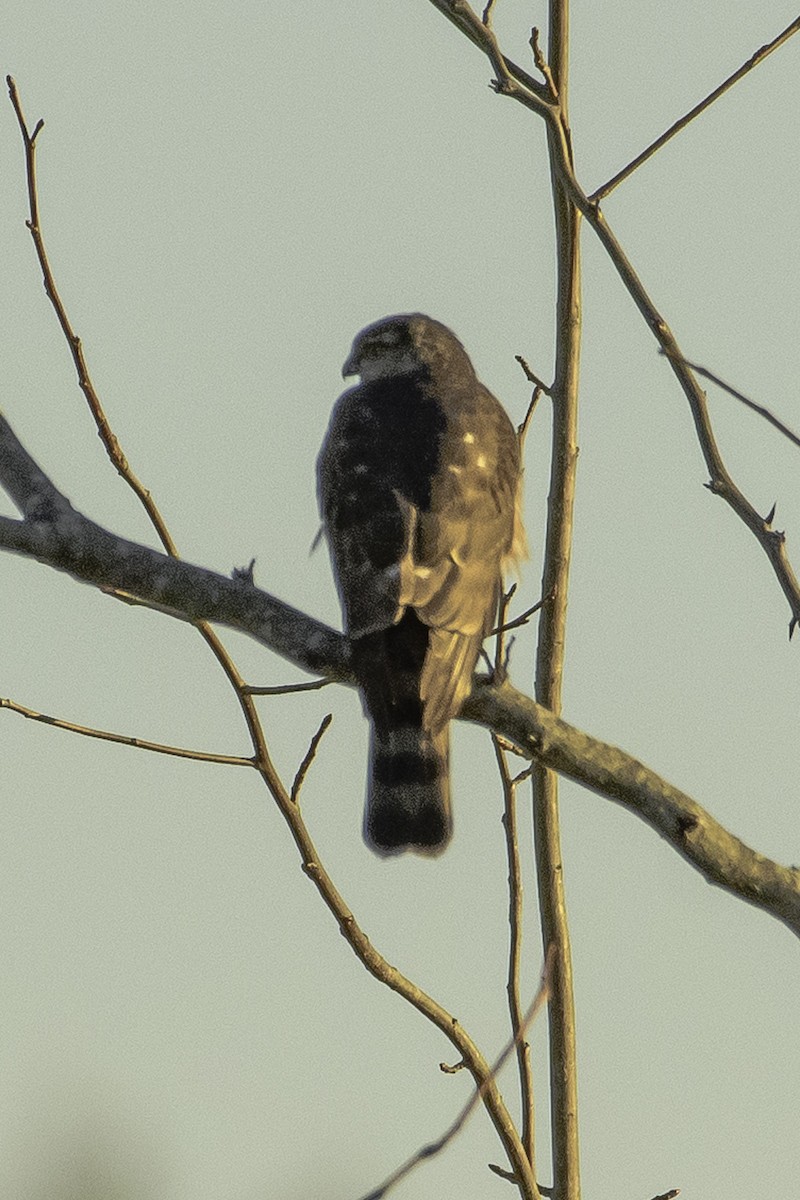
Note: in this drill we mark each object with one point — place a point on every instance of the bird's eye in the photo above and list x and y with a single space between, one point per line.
388 337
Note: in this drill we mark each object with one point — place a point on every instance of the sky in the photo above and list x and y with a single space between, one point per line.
229 193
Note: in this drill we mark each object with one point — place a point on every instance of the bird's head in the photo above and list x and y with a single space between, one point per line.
408 344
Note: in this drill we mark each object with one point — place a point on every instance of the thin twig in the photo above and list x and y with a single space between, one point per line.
523 617
118 458
650 150
470 24
499 669
309 757
531 377
522 428
515 923
435 1147
107 436
488 13
737 395
286 689
137 743
542 65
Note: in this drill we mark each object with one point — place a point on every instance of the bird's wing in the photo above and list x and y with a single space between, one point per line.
459 547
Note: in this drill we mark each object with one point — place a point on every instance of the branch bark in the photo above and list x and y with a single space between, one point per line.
59 536
552 630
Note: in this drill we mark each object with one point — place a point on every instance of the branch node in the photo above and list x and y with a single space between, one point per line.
542 65
530 376
509 1176
245 574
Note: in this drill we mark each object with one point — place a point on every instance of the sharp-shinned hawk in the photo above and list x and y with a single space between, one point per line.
418 485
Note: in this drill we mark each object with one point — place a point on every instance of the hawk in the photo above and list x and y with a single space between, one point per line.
418 487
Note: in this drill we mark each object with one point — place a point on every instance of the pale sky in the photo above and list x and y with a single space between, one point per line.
229 193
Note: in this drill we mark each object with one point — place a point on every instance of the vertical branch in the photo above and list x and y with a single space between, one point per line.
515 954
552 628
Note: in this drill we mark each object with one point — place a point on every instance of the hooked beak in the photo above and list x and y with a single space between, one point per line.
350 367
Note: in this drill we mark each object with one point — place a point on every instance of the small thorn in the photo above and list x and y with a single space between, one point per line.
768 519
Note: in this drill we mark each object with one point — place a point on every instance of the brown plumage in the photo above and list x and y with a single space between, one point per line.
418 485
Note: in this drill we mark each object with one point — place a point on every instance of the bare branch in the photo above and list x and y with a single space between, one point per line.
510 79
721 483
59 535
650 150
120 462
515 923
552 627
531 377
542 65
309 757
107 436
122 739
488 12
499 669
524 426
70 542
523 617
433 1148
286 689
740 396
720 857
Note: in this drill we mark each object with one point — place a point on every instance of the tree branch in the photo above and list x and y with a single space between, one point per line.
515 924
721 483
122 739
720 857
745 400
107 436
552 628
507 74
680 124
59 536
436 1147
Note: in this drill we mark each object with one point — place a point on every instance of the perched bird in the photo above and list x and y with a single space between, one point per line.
418 487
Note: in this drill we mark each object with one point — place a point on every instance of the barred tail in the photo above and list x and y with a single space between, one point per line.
408 791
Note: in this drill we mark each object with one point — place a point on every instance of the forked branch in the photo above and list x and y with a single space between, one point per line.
720 482
59 536
759 56
51 525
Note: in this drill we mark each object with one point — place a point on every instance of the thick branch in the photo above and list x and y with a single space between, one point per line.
716 853
59 536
